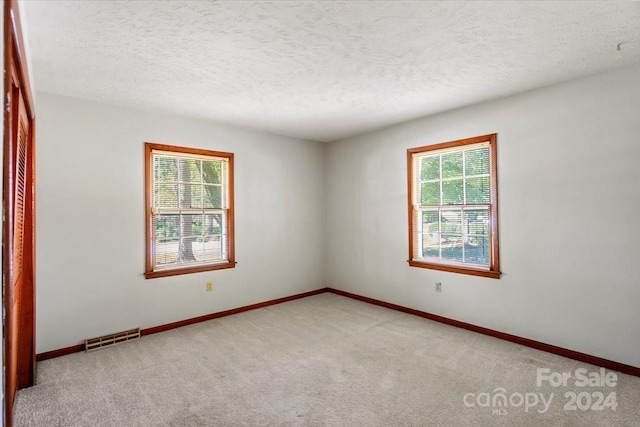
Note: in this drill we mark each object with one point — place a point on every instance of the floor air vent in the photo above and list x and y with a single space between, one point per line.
111 339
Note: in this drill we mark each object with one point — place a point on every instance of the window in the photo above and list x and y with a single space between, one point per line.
189 210
453 206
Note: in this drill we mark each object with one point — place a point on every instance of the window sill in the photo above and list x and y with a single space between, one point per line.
455 269
186 270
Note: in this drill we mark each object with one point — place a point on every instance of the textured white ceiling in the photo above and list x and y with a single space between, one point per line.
320 70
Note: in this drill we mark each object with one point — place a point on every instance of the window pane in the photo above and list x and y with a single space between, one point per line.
191 234
192 225
451 223
477 161
477 221
212 224
190 195
430 233
166 196
452 165
212 196
430 194
452 192
429 220
167 227
431 245
214 240
214 248
477 227
451 234
165 169
478 191
197 247
430 168
212 172
452 247
478 251
167 232
167 252
189 170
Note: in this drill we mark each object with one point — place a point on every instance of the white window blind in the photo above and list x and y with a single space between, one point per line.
189 210
452 205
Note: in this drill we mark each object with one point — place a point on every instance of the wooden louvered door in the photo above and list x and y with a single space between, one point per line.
19 219
21 262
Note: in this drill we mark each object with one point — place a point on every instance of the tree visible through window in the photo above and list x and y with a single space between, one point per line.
189 210
453 223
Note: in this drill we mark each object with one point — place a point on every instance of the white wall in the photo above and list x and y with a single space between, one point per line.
569 201
569 209
90 221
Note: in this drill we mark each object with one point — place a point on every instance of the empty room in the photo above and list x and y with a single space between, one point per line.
321 213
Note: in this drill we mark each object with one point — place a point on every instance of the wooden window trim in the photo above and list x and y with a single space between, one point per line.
494 264
150 273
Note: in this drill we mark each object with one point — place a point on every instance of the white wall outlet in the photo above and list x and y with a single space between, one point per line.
209 286
438 287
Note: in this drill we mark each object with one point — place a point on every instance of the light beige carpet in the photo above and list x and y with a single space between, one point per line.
325 360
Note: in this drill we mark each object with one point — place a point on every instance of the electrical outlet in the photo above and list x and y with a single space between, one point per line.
209 286
438 287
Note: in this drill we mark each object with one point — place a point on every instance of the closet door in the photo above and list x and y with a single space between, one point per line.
19 219
21 269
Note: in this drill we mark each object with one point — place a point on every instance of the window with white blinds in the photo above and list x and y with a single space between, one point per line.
189 210
453 222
